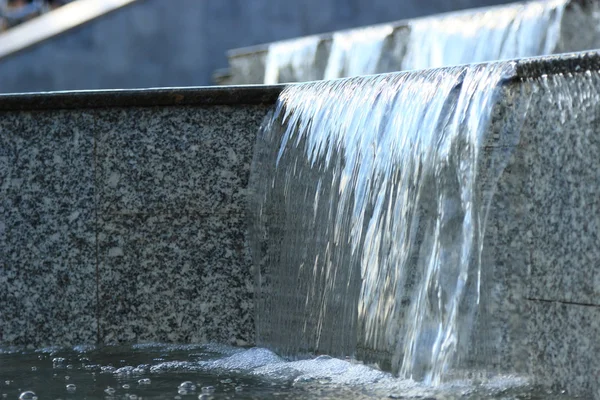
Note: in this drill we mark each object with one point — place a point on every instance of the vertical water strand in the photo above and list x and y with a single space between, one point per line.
514 31
292 61
368 215
447 296
357 52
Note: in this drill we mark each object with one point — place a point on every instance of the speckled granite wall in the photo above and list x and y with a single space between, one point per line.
125 225
47 235
542 253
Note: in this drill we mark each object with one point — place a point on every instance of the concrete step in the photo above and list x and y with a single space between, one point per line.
123 219
578 20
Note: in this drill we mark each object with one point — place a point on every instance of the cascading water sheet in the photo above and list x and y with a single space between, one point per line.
292 61
357 52
502 33
367 218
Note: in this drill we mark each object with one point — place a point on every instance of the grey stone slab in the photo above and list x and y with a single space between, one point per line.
173 260
565 337
562 139
47 229
542 232
177 278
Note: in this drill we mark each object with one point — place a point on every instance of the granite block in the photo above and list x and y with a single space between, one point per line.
564 337
562 142
153 160
176 278
173 260
47 229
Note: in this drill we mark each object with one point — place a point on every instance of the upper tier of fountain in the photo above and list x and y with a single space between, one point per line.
485 34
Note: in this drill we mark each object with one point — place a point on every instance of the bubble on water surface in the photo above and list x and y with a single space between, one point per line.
208 389
186 387
71 388
128 370
28 395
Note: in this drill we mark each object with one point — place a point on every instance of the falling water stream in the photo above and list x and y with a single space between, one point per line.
500 33
520 30
368 221
292 61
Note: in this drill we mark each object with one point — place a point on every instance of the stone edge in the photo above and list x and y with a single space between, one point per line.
159 97
247 94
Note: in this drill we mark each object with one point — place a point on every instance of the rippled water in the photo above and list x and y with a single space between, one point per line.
159 371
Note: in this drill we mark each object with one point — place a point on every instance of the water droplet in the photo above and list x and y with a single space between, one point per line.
67 377
34 369
7 382
126 386
133 397
204 396
109 391
70 366
27 396
144 381
71 388
239 388
187 385
208 389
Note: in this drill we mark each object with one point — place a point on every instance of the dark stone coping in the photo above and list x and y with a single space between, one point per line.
249 94
159 97
558 64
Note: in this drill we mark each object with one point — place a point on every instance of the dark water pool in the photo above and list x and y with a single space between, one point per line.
157 371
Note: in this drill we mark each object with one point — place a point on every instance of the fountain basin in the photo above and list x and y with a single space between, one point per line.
123 220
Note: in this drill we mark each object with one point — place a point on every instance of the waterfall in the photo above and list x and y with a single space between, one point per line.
515 31
357 52
498 33
292 61
367 219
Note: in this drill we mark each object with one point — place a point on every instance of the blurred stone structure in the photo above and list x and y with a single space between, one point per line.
157 43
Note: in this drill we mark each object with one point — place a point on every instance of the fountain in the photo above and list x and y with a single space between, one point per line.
494 33
438 223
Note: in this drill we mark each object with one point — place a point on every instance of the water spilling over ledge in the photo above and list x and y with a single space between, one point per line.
369 223
516 31
487 34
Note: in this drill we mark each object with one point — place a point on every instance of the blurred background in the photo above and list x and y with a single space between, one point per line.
49 45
